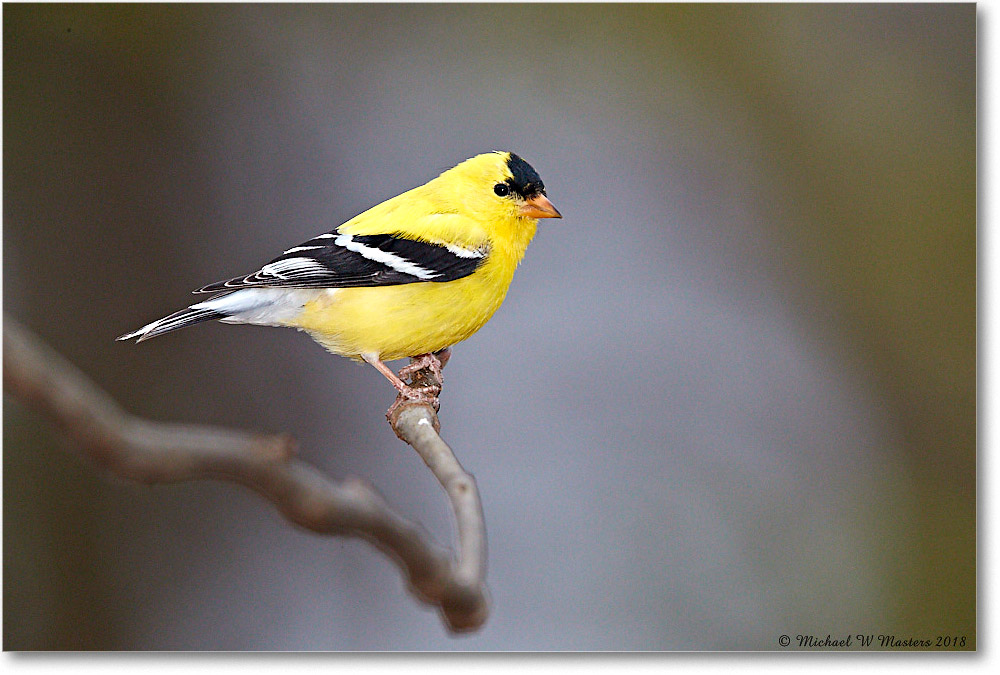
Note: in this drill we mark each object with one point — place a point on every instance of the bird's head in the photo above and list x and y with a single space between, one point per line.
499 186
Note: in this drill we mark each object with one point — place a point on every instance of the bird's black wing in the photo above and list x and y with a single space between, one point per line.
335 260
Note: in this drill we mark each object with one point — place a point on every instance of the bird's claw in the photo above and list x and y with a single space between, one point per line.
429 361
426 395
425 377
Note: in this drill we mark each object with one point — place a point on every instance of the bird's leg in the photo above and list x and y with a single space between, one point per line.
416 393
443 355
424 372
426 394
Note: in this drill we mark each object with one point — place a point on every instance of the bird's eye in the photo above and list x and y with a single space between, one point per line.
501 189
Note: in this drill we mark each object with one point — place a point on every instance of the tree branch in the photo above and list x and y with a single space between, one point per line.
153 452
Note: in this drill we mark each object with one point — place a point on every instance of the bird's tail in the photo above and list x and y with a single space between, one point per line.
262 306
185 317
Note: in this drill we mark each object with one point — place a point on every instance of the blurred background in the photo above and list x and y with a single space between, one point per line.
737 385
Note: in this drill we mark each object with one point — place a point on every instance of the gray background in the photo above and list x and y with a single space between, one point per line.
731 395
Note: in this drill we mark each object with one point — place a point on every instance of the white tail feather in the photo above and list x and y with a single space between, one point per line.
261 306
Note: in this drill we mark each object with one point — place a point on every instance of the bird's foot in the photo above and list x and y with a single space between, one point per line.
423 395
432 362
425 378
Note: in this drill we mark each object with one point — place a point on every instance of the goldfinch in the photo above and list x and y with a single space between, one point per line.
407 278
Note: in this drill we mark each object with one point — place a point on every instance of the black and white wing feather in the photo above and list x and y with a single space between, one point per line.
269 296
335 260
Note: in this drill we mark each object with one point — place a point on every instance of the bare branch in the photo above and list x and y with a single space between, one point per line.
153 452
415 424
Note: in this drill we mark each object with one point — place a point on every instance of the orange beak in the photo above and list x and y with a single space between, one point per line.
539 206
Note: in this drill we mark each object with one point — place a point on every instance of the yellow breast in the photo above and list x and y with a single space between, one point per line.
400 321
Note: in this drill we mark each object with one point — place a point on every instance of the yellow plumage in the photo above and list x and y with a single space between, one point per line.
459 208
394 322
409 277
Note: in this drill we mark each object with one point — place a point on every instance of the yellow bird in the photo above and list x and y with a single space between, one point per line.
407 278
